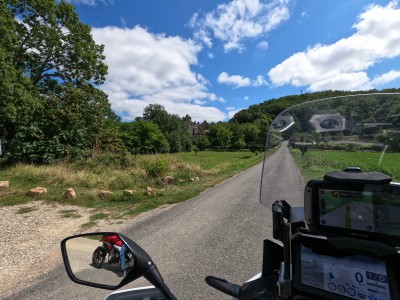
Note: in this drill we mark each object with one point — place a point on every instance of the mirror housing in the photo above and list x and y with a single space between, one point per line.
142 264
148 292
142 261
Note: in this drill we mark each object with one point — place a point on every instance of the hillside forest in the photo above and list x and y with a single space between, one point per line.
52 106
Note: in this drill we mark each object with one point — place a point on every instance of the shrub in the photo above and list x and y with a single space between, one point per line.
118 161
156 167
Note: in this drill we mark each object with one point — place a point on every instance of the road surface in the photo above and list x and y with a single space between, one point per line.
220 233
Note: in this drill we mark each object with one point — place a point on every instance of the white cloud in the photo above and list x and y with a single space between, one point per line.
239 81
202 79
236 80
260 81
146 68
238 20
214 97
385 78
230 108
344 64
246 98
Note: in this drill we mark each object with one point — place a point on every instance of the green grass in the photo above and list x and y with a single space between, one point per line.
315 163
116 174
94 218
25 210
70 213
99 216
215 160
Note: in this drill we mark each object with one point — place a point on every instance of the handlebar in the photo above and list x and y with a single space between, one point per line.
223 285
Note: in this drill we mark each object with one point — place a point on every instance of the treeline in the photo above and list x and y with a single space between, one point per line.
271 108
160 132
51 107
51 104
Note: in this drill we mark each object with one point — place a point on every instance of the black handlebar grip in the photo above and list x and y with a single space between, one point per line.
223 286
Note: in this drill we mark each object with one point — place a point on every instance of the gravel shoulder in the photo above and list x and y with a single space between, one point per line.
30 243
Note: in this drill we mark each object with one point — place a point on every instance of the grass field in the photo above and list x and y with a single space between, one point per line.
193 173
315 163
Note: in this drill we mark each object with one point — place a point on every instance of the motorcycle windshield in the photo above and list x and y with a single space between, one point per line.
312 138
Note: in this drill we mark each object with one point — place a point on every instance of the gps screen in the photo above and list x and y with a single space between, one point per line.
354 276
369 210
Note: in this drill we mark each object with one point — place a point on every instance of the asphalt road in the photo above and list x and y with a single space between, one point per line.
219 232
80 251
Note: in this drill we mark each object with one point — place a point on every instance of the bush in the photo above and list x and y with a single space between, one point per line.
119 161
203 142
156 167
32 146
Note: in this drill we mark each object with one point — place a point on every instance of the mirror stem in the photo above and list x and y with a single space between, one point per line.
155 278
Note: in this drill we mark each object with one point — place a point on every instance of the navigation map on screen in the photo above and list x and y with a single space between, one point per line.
368 211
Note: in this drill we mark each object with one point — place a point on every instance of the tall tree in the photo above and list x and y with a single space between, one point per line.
51 43
157 114
172 127
51 59
17 98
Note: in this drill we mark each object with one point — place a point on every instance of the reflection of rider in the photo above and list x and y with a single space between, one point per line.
115 240
122 260
112 239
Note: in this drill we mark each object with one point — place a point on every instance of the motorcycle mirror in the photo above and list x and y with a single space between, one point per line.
91 259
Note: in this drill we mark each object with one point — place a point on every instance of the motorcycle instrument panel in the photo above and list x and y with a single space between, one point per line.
325 269
357 277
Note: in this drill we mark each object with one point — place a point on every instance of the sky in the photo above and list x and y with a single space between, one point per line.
211 58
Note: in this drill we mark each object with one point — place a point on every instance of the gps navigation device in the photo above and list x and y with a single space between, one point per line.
354 209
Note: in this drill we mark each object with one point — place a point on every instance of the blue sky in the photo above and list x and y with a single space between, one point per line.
209 58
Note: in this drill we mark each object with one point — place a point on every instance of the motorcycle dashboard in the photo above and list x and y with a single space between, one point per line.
367 211
323 271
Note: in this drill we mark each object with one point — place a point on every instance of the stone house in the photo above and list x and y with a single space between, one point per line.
195 128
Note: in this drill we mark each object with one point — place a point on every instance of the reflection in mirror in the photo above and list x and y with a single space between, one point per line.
96 259
282 123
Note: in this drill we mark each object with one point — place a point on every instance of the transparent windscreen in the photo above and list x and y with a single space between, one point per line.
310 139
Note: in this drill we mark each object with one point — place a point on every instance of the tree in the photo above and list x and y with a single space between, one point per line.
263 125
51 43
70 123
17 101
157 114
177 134
220 135
143 137
203 142
250 132
243 116
50 62
171 126
237 139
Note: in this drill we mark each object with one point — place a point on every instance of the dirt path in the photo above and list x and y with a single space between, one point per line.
31 236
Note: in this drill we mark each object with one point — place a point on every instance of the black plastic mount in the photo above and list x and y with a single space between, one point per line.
355 175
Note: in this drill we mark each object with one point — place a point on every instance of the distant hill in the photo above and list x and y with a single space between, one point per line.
271 108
